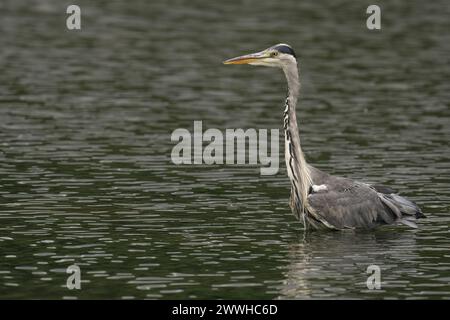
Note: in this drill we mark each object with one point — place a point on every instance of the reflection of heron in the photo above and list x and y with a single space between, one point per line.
317 198
334 265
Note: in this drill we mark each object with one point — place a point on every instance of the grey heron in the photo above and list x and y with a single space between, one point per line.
318 199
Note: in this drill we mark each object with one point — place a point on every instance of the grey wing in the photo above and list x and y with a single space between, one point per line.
351 204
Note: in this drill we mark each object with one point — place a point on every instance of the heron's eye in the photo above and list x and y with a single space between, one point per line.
274 54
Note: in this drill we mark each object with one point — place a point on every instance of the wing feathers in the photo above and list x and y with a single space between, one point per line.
350 204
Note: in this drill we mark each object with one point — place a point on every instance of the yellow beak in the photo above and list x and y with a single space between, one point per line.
246 59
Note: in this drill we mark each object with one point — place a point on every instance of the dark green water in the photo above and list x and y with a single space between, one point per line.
85 170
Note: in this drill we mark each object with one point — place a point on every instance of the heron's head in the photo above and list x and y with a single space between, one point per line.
279 55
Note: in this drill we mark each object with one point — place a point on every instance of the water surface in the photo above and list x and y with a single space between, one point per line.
85 170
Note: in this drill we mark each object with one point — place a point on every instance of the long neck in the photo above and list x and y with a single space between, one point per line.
297 167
